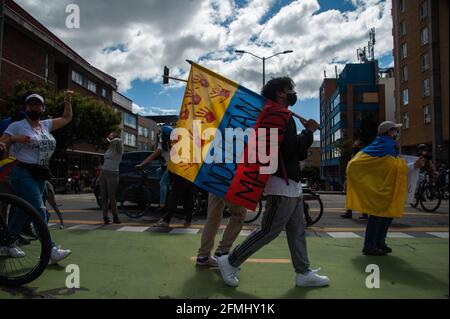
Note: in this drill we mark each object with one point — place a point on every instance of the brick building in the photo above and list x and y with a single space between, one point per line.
420 30
128 123
30 52
147 134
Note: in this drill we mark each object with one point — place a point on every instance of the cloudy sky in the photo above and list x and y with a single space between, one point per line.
133 40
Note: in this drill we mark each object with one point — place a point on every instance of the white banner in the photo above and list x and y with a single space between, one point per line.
413 176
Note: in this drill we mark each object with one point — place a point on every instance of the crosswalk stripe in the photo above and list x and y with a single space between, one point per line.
84 227
185 231
133 229
439 234
398 235
343 235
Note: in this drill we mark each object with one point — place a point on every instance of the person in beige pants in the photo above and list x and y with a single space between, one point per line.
216 205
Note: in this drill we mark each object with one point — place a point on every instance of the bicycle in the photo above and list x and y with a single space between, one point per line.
34 241
428 194
141 198
312 208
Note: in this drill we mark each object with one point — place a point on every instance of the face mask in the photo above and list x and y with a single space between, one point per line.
34 115
291 99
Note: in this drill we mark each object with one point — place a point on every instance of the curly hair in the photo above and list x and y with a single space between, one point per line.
275 85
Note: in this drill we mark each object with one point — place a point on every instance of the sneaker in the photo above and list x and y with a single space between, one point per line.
15 252
59 254
230 274
106 220
311 279
161 223
374 252
347 215
206 261
364 216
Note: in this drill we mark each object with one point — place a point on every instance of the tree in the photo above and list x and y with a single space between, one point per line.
92 120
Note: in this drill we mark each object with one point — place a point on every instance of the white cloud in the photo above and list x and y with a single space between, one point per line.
137 109
158 33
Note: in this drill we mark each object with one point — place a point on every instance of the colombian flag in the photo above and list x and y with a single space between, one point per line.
212 101
377 180
6 166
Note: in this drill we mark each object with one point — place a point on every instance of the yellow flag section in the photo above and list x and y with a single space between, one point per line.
205 101
377 185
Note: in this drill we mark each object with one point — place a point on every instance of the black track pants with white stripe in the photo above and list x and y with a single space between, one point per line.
280 213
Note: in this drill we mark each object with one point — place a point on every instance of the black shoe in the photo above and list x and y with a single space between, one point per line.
116 220
106 220
347 215
374 252
385 248
364 216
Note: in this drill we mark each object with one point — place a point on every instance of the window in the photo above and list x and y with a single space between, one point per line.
405 73
402 5
424 10
427 114
424 36
130 139
426 87
405 120
104 92
405 97
425 59
77 77
336 119
403 28
143 131
404 51
152 135
130 120
92 86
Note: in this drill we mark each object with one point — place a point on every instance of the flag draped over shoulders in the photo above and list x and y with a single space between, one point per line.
377 180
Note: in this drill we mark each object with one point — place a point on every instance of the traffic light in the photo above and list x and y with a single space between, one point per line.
166 75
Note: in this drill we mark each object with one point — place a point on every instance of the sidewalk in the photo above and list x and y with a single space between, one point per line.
157 265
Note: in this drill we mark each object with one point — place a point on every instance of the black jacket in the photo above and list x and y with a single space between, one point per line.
294 149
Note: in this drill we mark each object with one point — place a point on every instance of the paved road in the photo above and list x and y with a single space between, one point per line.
82 209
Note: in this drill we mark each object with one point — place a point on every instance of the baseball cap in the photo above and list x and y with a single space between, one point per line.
386 126
35 99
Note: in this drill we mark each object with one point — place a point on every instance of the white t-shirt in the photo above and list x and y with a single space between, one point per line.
277 186
41 146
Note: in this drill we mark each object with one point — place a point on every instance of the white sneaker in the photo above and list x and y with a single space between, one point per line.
311 279
15 252
229 273
59 254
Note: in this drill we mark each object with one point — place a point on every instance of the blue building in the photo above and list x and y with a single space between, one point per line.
351 108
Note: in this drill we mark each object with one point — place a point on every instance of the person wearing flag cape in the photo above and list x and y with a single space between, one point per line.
377 186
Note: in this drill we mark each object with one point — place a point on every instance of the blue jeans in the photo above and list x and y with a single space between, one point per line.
31 190
376 232
163 186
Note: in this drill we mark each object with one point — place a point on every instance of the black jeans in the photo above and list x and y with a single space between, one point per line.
376 232
183 189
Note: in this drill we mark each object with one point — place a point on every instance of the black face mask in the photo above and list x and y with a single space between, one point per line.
34 115
291 99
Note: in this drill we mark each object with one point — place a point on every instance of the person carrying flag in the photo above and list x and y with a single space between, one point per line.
377 185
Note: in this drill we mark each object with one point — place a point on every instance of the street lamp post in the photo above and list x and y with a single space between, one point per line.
263 59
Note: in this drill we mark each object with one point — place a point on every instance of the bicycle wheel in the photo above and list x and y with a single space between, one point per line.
312 208
37 249
252 216
130 204
431 198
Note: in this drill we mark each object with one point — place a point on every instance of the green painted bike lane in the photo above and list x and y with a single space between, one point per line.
154 265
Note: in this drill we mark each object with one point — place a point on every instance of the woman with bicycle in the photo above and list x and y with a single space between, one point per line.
109 176
33 152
